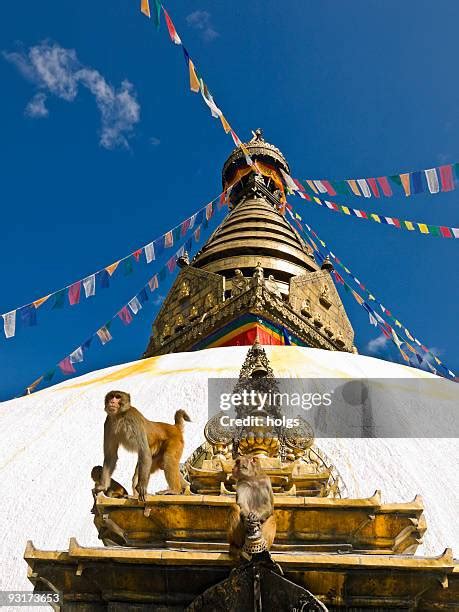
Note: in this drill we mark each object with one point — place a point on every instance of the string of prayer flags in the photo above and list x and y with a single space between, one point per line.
442 231
432 180
87 287
126 313
175 38
307 231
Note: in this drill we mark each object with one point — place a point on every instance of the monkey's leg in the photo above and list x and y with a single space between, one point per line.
171 466
268 529
236 532
135 480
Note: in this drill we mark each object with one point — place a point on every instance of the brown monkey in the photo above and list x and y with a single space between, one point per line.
254 496
115 489
158 445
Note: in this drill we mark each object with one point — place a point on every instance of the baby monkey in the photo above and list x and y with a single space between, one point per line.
115 489
254 498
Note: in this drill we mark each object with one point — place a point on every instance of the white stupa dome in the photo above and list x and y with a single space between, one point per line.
52 438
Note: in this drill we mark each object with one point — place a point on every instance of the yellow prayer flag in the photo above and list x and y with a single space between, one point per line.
322 243
375 218
345 210
423 228
112 267
225 124
437 360
346 270
312 186
404 355
371 297
409 225
397 323
353 185
317 200
145 7
405 178
41 301
194 82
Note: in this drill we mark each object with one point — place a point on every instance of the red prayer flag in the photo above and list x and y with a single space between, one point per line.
446 176
445 232
384 184
396 222
185 226
329 188
137 254
373 186
125 315
66 366
171 29
172 262
74 293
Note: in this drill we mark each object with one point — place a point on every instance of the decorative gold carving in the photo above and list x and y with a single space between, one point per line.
209 301
239 283
194 313
318 320
325 298
306 309
166 331
179 322
272 286
258 275
184 292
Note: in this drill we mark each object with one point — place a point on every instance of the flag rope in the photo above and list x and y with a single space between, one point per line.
388 330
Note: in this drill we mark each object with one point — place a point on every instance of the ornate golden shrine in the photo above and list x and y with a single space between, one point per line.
170 552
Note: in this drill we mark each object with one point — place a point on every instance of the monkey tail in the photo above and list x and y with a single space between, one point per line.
180 418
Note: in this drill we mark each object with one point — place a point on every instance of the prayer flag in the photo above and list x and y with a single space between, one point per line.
28 315
137 254
423 228
143 296
157 13
373 186
208 99
197 233
41 301
168 239
9 324
127 266
432 180
395 178
149 252
405 179
104 279
153 283
289 181
446 177
184 227
320 187
384 184
192 221
209 211
49 375
409 225
162 273
364 187
225 124
434 230
145 7
74 293
171 263
89 285
59 299
171 29
328 186
125 315
66 366
373 321
455 231
104 334
194 81
135 305
87 344
353 185
77 355
445 232
417 182
312 186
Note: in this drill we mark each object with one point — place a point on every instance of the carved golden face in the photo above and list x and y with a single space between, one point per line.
184 289
209 301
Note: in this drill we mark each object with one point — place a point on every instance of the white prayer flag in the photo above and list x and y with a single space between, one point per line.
432 180
192 220
364 187
104 335
373 321
135 305
319 185
9 323
77 355
89 285
150 252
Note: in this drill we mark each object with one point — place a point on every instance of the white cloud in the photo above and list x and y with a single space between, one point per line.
155 142
58 71
36 108
200 20
376 345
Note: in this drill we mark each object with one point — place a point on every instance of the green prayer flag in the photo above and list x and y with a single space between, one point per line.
59 300
127 266
162 273
434 230
395 178
157 13
176 233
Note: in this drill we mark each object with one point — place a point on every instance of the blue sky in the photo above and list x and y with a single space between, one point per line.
93 167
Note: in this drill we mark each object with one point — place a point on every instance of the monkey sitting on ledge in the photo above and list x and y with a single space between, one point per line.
254 499
158 445
115 489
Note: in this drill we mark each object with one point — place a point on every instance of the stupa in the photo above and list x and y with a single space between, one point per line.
255 283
